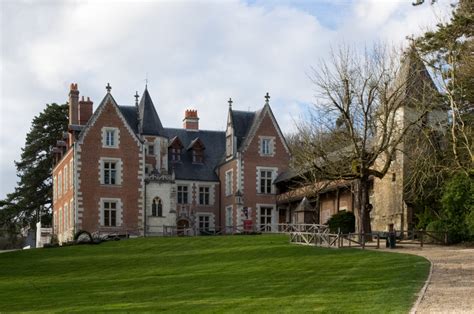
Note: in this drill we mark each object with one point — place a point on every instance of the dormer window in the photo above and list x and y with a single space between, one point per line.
175 148
175 154
198 156
151 150
197 148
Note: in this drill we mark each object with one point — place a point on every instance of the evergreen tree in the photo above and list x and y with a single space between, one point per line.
33 193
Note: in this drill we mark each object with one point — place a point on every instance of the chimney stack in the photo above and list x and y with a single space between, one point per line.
191 120
73 103
85 110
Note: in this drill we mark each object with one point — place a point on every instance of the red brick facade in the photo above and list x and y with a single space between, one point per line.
128 174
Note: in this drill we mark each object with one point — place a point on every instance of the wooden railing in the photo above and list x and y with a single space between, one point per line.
323 238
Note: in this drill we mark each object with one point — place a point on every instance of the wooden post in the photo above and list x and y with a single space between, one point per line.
350 242
378 242
445 238
363 241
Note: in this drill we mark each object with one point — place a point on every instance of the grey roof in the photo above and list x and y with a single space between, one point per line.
149 123
214 143
242 122
130 114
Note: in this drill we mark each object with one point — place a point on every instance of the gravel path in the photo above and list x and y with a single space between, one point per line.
451 286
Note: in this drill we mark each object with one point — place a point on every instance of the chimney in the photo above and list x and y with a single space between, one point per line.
85 110
191 120
73 103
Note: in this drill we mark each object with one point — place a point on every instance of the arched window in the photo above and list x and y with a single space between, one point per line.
157 207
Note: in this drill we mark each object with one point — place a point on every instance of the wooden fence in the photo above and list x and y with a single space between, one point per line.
323 238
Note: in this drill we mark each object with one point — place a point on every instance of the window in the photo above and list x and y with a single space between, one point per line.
265 181
71 209
266 146
229 145
110 172
228 183
157 207
198 156
203 195
60 184
204 223
151 149
71 175
66 178
55 187
175 154
265 218
110 137
228 216
182 194
66 215
110 214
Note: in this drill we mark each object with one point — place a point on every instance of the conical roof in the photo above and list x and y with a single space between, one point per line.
150 123
415 76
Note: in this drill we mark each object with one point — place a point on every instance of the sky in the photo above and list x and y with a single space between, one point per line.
193 54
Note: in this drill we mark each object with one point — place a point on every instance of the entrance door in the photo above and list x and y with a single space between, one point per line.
266 218
182 225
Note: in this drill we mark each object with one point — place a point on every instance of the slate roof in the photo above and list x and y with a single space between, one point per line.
130 114
214 143
149 123
242 122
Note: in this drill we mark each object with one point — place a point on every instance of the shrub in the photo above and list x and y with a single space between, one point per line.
458 207
343 221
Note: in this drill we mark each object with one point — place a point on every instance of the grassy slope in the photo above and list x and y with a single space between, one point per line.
211 274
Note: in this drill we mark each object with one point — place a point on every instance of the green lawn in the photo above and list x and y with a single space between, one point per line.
209 274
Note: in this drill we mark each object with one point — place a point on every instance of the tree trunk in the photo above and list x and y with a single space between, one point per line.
361 202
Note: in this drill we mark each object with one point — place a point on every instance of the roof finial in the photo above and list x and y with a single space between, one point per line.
267 99
136 98
146 80
230 103
108 87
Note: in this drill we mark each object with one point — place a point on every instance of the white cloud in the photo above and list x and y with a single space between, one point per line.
196 54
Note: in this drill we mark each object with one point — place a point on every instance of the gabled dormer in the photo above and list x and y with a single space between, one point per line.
197 150
175 148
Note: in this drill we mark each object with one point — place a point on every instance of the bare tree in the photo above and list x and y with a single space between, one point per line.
366 103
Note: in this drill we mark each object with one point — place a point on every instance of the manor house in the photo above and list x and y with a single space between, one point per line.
119 170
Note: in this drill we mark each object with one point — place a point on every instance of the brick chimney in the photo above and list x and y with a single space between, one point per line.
191 120
85 110
73 104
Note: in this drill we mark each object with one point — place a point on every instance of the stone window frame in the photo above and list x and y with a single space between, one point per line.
274 171
66 178
158 211
229 222
208 195
118 211
229 178
116 138
55 188
271 146
183 194
60 184
118 170
71 174
204 222
274 215
66 216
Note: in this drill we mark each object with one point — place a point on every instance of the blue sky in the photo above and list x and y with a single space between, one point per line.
196 54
